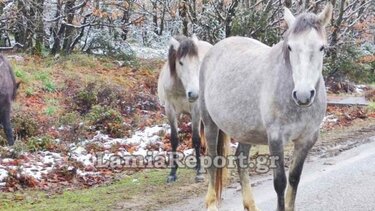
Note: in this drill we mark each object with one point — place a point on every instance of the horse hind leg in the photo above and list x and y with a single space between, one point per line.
301 149
211 132
242 155
171 114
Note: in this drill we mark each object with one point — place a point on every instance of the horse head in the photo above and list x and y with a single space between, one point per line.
304 45
184 64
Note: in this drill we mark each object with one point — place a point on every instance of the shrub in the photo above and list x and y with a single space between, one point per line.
107 120
70 118
40 143
24 125
371 106
85 99
49 86
345 62
252 23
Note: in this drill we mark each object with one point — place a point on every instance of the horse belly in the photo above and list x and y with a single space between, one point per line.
241 121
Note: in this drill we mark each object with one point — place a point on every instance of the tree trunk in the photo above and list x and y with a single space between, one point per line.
334 38
183 15
155 16
162 19
39 28
228 21
125 22
20 32
57 32
68 36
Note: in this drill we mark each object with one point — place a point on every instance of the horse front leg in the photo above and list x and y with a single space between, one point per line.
195 119
242 155
171 114
301 149
279 178
5 120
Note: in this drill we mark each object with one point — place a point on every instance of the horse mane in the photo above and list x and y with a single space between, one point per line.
307 21
187 48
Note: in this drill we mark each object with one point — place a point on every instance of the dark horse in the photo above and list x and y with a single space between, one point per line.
8 88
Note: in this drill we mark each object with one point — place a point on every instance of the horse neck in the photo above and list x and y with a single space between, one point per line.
282 78
176 85
203 48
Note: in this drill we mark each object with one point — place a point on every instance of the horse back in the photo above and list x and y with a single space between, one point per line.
233 53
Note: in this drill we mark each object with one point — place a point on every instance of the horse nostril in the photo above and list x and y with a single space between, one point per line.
295 95
190 94
312 94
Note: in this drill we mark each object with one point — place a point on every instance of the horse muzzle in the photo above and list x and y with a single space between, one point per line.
304 98
192 97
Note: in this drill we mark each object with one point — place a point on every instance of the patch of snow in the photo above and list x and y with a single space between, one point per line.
189 152
3 174
86 173
149 53
35 171
360 88
80 154
7 160
135 180
148 136
329 119
39 164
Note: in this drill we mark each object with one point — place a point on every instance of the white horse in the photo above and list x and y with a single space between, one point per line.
258 94
178 90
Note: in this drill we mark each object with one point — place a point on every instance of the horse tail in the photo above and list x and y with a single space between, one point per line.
223 149
203 138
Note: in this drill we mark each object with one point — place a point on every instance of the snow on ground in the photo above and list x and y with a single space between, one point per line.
149 53
39 164
360 88
329 118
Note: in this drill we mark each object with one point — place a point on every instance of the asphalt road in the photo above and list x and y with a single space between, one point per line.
342 183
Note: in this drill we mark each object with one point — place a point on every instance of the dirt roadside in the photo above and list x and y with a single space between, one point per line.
331 144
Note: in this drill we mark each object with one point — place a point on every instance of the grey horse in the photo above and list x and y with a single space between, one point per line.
258 94
178 89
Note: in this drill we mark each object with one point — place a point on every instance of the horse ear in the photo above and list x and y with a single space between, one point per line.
288 17
174 43
195 38
326 15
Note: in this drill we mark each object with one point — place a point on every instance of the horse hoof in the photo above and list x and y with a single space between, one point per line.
212 208
199 178
171 178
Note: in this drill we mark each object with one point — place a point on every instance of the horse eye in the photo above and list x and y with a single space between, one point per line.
289 48
181 63
321 48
